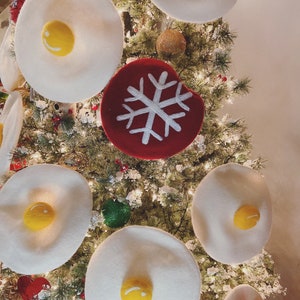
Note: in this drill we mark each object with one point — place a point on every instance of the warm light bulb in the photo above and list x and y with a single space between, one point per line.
1 133
58 38
136 289
38 216
246 217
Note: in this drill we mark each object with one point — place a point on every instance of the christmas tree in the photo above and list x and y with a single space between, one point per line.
131 191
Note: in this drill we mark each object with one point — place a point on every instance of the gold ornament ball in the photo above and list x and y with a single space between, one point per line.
170 43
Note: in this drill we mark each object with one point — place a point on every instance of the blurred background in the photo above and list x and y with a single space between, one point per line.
267 50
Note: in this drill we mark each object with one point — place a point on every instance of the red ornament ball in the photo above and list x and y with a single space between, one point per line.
15 8
18 164
29 287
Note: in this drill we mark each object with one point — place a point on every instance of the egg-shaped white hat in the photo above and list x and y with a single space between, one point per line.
243 292
195 11
11 120
67 192
143 252
218 197
10 74
97 33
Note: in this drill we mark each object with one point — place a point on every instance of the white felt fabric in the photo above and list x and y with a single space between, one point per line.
141 251
34 252
195 11
10 74
243 292
97 51
224 190
12 119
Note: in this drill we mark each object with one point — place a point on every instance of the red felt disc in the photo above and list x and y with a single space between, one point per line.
148 113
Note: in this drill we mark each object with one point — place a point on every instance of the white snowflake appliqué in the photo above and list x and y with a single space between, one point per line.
155 107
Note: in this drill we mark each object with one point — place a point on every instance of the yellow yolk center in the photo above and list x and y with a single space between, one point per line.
38 216
1 133
136 289
246 217
58 38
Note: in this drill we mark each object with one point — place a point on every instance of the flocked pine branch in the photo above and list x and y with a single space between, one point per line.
159 192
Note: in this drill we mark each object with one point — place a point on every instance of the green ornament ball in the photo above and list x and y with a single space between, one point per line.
116 214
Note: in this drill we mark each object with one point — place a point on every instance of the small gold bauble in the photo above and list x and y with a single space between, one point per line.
170 43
